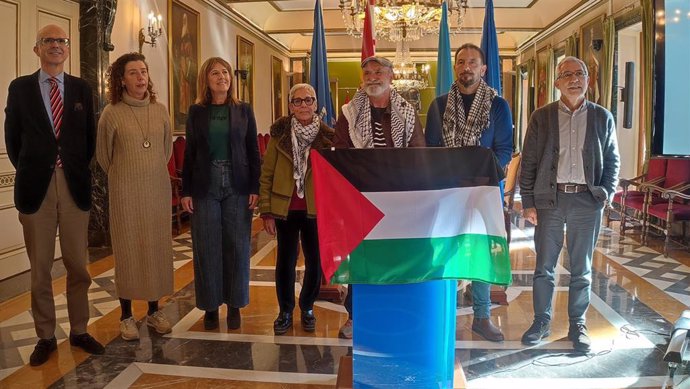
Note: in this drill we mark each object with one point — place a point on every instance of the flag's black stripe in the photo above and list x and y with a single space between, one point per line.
406 169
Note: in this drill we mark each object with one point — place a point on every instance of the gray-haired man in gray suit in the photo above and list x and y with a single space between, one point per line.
570 167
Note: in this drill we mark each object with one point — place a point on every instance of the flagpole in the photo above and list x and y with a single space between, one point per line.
318 75
490 47
369 33
444 69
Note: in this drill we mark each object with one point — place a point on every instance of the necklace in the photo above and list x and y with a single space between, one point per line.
146 144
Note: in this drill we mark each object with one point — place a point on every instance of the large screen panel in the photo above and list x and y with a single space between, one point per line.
671 134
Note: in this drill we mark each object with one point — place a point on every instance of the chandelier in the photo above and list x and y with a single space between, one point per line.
407 74
397 20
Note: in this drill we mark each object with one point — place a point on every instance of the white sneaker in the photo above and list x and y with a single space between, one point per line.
129 329
159 322
346 330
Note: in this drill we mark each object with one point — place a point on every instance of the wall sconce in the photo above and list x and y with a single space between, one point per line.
154 30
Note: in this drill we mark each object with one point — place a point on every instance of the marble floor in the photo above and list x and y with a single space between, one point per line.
636 296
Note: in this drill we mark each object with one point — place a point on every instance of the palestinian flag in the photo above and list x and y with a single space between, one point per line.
406 215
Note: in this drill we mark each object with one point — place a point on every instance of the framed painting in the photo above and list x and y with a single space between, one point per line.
245 70
591 45
541 83
184 61
277 87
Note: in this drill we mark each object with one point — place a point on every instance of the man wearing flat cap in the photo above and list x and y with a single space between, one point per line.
377 116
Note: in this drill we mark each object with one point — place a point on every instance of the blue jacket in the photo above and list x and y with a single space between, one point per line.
497 137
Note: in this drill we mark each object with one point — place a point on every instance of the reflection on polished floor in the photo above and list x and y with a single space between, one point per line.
636 296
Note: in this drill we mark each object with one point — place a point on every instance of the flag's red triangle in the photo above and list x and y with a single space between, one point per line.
343 215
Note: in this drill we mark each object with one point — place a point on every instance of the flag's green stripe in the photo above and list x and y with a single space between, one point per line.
400 261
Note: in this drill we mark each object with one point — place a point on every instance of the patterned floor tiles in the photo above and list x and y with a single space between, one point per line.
636 294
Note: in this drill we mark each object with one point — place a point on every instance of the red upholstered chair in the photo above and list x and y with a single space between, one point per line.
260 140
662 199
176 186
631 197
675 209
178 153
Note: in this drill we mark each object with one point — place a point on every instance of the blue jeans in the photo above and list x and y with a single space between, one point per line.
581 214
221 233
481 299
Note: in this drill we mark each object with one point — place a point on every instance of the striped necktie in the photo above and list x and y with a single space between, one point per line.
56 109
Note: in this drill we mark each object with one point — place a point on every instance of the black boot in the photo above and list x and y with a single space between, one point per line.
282 323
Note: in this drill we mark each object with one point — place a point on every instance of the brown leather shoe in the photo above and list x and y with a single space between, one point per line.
487 330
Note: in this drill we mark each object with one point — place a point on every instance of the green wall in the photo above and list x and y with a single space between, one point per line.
348 76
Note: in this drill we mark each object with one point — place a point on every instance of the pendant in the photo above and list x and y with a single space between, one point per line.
147 144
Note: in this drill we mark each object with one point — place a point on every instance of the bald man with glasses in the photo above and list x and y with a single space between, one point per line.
569 170
50 138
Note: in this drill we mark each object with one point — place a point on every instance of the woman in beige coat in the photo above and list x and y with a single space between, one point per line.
134 144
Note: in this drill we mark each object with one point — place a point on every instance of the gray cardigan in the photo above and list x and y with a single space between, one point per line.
600 158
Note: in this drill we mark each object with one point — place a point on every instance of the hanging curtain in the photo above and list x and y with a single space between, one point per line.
606 74
550 71
531 82
647 73
571 45
517 113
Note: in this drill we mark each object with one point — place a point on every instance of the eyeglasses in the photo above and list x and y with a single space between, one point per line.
307 100
50 41
568 75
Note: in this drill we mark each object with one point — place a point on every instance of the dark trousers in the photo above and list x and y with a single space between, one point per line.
288 233
221 234
580 214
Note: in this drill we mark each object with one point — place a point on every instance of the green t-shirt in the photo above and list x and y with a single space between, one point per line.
219 132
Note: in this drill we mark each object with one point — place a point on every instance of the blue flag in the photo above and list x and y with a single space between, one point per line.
318 75
490 48
444 76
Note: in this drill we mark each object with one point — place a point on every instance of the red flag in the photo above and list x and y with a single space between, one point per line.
368 37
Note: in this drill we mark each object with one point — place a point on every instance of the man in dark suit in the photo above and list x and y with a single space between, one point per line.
50 139
570 166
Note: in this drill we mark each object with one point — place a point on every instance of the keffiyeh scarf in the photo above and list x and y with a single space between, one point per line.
302 138
358 115
460 129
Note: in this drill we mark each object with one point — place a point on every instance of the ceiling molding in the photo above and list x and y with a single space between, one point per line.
248 25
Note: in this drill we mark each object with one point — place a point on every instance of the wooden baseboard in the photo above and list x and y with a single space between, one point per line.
344 380
498 295
330 293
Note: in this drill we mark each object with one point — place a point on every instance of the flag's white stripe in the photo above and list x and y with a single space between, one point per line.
435 213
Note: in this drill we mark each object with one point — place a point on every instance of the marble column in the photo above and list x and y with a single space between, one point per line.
95 24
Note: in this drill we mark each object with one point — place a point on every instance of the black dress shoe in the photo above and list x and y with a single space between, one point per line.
87 343
577 333
211 320
536 332
282 323
234 318
42 351
308 321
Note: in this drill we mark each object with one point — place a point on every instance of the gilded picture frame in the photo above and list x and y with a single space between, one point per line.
184 43
276 87
542 79
244 70
591 52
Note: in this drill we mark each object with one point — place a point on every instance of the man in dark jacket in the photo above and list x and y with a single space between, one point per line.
570 167
50 136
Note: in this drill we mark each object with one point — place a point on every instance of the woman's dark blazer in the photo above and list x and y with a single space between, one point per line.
244 151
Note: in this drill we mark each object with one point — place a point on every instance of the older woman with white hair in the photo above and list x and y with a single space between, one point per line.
287 206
